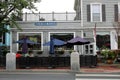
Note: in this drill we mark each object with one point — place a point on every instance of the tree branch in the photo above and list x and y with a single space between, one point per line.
6 14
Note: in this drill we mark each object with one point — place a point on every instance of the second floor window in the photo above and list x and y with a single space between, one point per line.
96 12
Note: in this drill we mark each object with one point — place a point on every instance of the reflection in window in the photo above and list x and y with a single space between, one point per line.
65 37
35 37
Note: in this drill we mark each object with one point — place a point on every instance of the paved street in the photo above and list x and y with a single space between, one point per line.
57 76
97 77
36 76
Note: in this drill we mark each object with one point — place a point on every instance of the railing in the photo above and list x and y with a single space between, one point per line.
37 62
67 16
2 62
88 60
54 62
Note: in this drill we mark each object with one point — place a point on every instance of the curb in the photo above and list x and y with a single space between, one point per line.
62 71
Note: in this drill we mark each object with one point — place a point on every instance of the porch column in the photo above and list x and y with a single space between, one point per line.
11 61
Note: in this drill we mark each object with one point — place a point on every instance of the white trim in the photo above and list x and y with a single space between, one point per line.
11 42
27 22
92 10
79 28
113 42
32 32
118 7
118 11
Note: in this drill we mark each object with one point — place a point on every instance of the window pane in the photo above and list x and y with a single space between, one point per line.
103 40
96 17
96 8
35 37
96 12
64 37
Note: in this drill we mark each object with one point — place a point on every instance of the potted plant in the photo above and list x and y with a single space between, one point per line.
109 55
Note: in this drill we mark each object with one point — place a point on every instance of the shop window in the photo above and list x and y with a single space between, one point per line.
35 37
103 40
65 37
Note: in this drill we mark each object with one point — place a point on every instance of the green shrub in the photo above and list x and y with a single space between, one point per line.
108 54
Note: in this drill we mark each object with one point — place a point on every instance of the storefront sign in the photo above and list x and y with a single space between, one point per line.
45 23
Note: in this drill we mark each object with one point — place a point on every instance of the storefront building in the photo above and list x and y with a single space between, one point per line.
41 31
93 21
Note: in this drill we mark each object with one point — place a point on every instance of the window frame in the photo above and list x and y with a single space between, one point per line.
31 32
60 33
89 50
91 13
103 33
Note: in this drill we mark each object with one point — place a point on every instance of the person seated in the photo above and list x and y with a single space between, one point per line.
29 54
18 54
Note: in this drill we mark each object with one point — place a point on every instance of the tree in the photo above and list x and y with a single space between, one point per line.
12 9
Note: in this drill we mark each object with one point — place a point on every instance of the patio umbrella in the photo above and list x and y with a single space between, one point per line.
54 42
78 41
25 42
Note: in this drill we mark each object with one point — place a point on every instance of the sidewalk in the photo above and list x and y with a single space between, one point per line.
101 68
